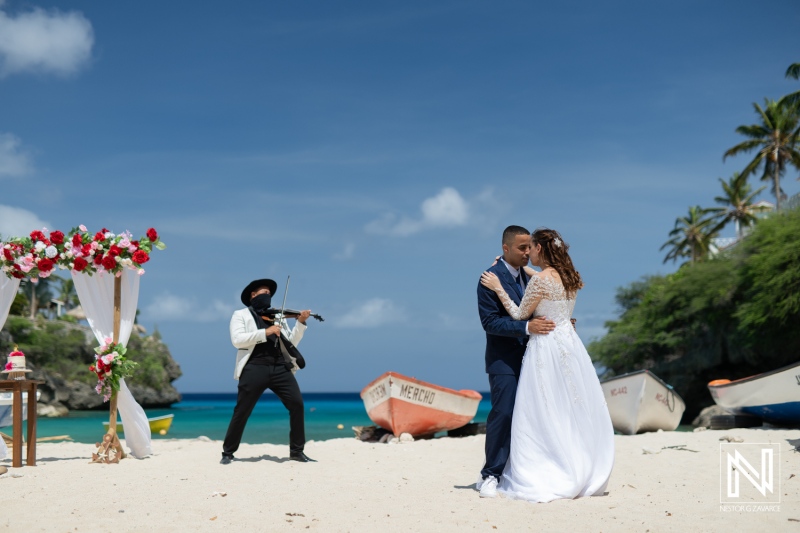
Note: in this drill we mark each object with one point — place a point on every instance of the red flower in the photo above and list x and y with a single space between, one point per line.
152 234
86 249
98 259
91 368
37 235
80 264
45 265
100 236
140 257
114 251
7 254
135 243
17 274
57 237
77 239
109 263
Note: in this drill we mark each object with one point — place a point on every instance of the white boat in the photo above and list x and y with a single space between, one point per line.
6 404
774 396
639 402
408 405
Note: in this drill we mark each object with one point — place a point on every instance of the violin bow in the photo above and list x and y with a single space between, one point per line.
283 308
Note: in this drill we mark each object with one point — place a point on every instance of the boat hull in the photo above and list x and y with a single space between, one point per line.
773 396
158 424
407 405
6 404
639 402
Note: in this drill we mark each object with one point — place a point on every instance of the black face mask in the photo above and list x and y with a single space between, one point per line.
261 303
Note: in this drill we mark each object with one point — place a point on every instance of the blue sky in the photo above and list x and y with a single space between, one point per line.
375 151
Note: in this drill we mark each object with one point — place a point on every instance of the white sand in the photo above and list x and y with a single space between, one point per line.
354 486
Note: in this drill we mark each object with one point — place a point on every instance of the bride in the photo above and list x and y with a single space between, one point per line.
562 441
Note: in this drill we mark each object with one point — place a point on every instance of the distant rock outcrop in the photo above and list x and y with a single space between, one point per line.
59 353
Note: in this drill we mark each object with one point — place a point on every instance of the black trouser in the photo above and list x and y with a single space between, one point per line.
255 379
498 424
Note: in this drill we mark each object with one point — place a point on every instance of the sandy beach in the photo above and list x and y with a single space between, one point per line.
355 486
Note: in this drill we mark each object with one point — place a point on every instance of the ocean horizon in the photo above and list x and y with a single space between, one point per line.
208 414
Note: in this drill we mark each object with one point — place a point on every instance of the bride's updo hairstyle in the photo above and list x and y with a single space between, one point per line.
555 253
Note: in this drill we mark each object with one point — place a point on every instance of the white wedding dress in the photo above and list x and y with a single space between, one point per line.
562 441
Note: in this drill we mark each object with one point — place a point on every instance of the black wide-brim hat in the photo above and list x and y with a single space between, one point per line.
253 285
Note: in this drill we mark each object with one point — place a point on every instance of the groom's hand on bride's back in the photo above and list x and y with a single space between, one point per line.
540 326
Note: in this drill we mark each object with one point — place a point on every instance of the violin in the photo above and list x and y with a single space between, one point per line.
289 313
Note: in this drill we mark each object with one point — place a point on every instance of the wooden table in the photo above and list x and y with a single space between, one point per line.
18 386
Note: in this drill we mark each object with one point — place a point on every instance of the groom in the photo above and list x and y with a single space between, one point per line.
506 340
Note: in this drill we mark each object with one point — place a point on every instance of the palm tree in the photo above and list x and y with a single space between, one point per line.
691 236
793 72
37 292
776 139
67 294
738 206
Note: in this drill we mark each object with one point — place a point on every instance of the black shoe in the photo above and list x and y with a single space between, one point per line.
226 460
300 457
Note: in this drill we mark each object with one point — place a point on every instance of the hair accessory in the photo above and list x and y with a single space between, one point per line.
557 242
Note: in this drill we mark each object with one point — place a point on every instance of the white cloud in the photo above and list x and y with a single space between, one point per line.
13 160
175 308
44 41
346 253
371 314
447 209
18 222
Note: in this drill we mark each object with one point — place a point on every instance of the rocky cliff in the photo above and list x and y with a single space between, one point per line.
60 352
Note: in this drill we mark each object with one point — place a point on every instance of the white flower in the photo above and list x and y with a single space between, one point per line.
127 262
51 252
39 246
557 242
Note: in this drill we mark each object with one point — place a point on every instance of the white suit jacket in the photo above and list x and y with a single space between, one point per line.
245 334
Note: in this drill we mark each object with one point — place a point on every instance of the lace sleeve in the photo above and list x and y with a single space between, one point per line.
533 293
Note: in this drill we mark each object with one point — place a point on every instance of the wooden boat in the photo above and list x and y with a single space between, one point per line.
158 424
6 403
407 405
639 402
774 396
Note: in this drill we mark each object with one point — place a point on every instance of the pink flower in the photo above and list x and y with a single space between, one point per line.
108 340
9 366
82 227
140 272
108 358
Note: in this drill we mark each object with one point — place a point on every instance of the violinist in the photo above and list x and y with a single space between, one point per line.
263 362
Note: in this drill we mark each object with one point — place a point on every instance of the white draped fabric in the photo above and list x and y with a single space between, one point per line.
96 294
8 290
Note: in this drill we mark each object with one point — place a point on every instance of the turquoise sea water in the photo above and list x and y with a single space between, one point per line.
209 414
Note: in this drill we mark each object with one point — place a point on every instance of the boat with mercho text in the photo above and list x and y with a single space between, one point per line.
402 404
774 396
640 401
158 424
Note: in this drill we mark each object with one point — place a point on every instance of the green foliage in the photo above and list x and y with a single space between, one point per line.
67 350
728 317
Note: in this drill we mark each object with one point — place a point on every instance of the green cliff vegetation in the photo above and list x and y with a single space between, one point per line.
64 348
729 316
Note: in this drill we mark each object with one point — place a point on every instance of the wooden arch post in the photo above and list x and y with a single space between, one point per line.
110 450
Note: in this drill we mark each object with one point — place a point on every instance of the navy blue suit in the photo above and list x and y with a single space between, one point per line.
506 340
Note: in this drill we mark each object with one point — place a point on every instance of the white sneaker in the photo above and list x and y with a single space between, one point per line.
489 487
479 483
